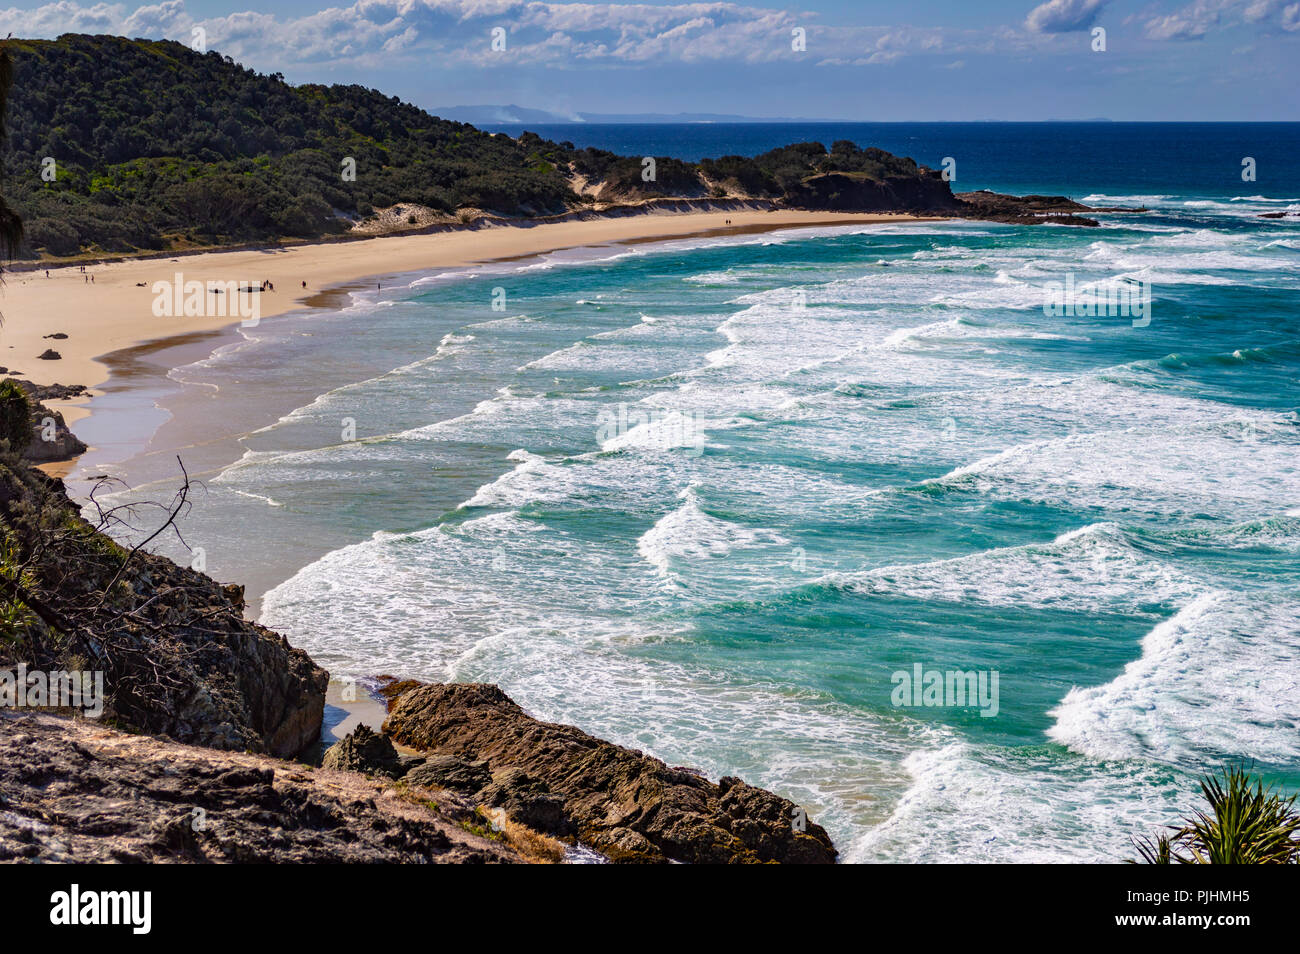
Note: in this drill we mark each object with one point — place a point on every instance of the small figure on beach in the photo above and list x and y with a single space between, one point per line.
304 284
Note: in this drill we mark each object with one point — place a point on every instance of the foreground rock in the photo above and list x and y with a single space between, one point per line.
627 805
74 791
364 751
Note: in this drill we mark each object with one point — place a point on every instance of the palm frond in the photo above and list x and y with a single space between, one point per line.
1245 824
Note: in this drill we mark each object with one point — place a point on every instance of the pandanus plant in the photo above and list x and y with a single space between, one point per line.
1246 824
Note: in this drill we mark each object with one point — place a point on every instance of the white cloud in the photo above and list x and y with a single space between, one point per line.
1196 20
1064 16
458 32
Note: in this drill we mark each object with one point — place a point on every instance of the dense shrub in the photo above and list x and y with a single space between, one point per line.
15 417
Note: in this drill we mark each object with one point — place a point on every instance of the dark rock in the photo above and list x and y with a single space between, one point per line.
450 771
49 354
51 438
624 846
1023 209
607 791
363 750
51 392
527 800
390 687
57 336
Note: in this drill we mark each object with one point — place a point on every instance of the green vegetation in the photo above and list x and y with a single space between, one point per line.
11 225
15 417
1247 824
156 146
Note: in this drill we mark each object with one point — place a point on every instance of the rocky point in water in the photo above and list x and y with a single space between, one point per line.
623 803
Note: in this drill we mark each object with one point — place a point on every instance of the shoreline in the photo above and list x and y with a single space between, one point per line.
144 414
113 315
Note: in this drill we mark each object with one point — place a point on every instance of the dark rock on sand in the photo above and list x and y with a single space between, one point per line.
630 806
364 750
49 354
51 438
51 392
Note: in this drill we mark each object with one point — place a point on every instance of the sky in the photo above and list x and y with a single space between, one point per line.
932 60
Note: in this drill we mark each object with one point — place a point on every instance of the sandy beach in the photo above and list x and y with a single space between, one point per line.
115 311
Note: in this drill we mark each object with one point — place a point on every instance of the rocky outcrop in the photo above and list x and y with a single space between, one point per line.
75 791
364 750
177 655
51 438
627 805
1024 209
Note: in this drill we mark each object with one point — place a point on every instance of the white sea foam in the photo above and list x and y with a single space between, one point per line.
971 805
1094 569
1235 469
1219 679
690 534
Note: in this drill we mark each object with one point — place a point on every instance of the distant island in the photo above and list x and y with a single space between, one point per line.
119 146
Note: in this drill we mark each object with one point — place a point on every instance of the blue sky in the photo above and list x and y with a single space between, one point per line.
865 60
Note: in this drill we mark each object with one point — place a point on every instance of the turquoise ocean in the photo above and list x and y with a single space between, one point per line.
706 497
